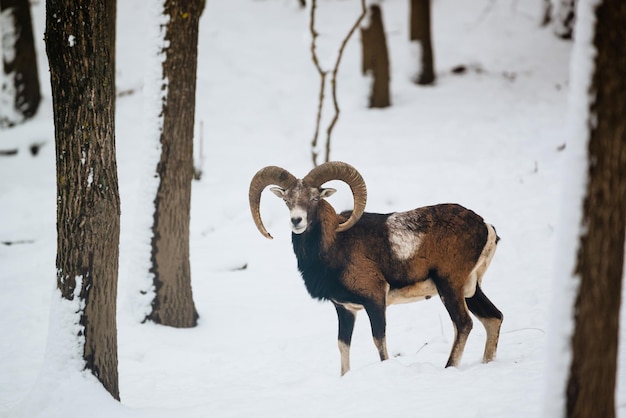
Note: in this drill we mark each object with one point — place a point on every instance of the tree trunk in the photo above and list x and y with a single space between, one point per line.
82 76
420 31
376 58
592 375
19 95
173 302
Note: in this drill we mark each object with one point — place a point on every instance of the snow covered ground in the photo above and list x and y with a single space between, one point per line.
492 139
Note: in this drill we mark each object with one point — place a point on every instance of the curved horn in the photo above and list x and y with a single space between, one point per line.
336 170
263 178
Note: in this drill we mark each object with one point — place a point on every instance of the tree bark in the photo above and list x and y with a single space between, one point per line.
82 77
173 303
600 262
376 58
420 31
19 60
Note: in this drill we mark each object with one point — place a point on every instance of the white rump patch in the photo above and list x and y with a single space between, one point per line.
404 242
476 275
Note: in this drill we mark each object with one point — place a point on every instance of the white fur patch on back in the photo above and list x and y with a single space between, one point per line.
404 242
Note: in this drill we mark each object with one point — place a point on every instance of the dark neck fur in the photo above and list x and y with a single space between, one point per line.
321 281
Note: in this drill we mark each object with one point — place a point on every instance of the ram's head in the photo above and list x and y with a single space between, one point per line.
302 196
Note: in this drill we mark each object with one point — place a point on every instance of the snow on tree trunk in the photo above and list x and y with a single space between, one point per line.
173 303
564 18
600 263
19 79
82 75
583 357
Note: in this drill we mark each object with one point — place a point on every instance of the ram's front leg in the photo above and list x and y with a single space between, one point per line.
346 327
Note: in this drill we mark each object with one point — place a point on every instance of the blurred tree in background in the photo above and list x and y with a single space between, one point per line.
420 31
19 93
376 58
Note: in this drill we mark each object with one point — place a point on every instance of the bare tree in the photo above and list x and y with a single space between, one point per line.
333 81
19 93
592 375
376 58
173 303
80 52
420 31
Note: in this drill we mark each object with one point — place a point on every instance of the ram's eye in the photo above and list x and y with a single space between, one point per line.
315 198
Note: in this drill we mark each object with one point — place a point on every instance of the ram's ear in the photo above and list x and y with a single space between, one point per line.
278 191
324 193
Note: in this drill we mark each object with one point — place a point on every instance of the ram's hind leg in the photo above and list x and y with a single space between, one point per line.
346 327
490 317
454 301
378 323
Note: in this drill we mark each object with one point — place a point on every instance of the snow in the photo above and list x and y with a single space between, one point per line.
491 139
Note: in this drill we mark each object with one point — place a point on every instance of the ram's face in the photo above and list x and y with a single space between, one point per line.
302 202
